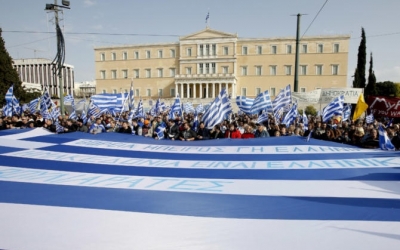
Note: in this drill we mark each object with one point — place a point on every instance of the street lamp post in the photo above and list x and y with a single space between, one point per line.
58 61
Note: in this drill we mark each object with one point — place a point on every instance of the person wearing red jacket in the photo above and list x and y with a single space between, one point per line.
233 132
248 132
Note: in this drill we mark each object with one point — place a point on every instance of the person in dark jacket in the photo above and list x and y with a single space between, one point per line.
187 134
171 131
202 133
216 133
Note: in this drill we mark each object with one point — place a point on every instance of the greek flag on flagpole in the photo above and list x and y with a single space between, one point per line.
346 112
131 98
200 108
68 99
176 108
309 136
263 117
219 108
333 108
33 105
283 99
160 132
188 107
195 125
262 102
10 93
305 121
94 110
278 115
244 104
207 17
139 111
369 118
84 117
59 128
384 141
291 115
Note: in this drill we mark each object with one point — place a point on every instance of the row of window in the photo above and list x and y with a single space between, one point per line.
243 92
303 70
136 55
289 49
210 68
211 50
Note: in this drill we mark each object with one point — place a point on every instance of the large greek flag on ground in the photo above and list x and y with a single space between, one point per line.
116 191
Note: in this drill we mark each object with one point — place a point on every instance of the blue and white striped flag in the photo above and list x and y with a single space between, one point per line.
139 110
160 132
384 141
68 99
305 120
84 117
59 128
262 103
290 117
73 115
94 110
333 108
346 112
283 99
195 125
278 115
244 104
175 108
263 117
188 107
8 110
220 107
370 118
131 98
200 108
34 105
10 94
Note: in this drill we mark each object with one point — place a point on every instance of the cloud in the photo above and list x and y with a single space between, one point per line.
390 74
89 2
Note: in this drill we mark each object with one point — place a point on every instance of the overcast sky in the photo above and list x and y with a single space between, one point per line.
25 24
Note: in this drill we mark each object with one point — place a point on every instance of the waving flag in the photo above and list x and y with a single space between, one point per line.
200 108
131 98
370 118
346 112
263 117
305 120
34 105
176 108
333 108
220 107
262 103
84 117
160 132
94 110
361 107
188 107
68 99
283 99
139 111
10 94
291 115
384 141
195 125
244 104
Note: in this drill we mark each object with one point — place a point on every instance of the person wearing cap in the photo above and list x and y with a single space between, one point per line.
261 131
233 132
146 128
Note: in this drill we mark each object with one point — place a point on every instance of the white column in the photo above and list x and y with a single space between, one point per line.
194 90
206 90
213 90
220 88
181 93
201 90
187 90
176 90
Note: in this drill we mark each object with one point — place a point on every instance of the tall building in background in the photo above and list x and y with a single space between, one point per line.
201 64
38 73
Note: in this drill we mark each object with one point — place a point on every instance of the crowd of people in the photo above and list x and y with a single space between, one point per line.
185 128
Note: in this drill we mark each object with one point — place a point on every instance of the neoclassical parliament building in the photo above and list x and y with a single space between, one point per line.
201 64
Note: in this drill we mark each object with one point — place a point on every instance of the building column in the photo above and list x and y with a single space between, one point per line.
213 90
176 89
181 93
206 90
201 90
194 90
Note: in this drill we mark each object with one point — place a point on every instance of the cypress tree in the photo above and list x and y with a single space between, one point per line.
370 89
359 74
8 75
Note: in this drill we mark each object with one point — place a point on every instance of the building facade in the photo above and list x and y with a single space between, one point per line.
39 72
201 64
84 89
